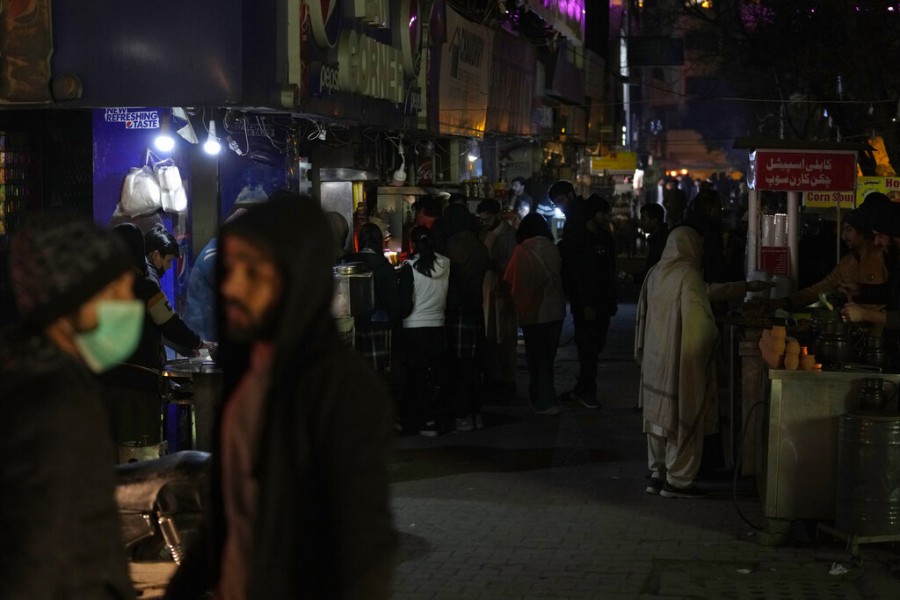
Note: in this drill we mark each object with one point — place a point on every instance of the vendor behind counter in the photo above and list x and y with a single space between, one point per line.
885 219
863 265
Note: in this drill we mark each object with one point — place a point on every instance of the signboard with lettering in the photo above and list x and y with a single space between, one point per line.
889 186
829 199
774 259
614 162
865 185
802 170
465 77
364 47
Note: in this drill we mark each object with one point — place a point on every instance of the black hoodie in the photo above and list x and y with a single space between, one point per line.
324 527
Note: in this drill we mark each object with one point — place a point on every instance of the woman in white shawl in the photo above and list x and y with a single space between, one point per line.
536 287
675 339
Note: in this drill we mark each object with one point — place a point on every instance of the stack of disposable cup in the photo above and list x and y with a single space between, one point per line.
768 230
780 231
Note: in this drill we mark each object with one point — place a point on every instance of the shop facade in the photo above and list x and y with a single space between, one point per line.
391 94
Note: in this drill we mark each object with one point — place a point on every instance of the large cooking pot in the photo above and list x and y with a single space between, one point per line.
872 395
833 343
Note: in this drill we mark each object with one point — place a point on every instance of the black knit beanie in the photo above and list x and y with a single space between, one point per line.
885 219
55 265
861 221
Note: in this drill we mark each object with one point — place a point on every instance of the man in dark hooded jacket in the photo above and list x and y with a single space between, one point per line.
300 499
588 254
464 322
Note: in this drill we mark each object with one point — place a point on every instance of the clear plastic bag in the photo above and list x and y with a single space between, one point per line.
141 193
173 195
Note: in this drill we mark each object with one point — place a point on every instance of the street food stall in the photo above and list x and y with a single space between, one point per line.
807 388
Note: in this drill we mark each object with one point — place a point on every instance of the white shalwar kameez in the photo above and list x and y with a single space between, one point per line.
675 340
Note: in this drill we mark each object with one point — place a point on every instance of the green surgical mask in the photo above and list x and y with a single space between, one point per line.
118 331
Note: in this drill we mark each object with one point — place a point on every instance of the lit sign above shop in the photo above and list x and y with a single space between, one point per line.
566 16
369 68
325 19
371 12
359 63
132 118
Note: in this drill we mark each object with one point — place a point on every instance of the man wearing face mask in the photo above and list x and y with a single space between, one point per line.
72 285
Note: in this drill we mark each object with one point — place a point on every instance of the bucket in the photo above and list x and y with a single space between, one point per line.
130 452
868 484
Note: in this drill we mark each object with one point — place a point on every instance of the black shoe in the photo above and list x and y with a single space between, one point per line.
655 486
581 398
690 492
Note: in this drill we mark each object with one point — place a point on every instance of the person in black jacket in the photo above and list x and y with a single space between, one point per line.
653 223
589 282
373 330
300 500
133 388
464 323
61 532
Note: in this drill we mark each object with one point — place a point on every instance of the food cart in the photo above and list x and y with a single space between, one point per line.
790 445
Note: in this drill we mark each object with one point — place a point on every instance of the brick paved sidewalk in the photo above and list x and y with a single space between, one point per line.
554 507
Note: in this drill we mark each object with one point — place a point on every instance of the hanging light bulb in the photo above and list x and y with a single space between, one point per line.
473 153
164 142
212 145
399 176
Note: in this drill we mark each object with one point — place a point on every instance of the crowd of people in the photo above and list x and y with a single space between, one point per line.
294 505
446 322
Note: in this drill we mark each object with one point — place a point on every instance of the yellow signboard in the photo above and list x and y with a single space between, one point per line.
614 161
864 186
886 185
829 199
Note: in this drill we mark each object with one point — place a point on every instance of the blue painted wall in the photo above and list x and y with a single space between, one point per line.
118 147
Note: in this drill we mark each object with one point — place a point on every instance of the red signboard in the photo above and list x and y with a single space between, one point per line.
803 170
774 259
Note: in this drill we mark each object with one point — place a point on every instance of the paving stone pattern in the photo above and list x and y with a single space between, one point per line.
539 507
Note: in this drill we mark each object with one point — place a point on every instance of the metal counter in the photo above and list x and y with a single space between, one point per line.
206 382
799 465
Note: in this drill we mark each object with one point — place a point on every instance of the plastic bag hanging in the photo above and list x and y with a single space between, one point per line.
172 192
141 194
